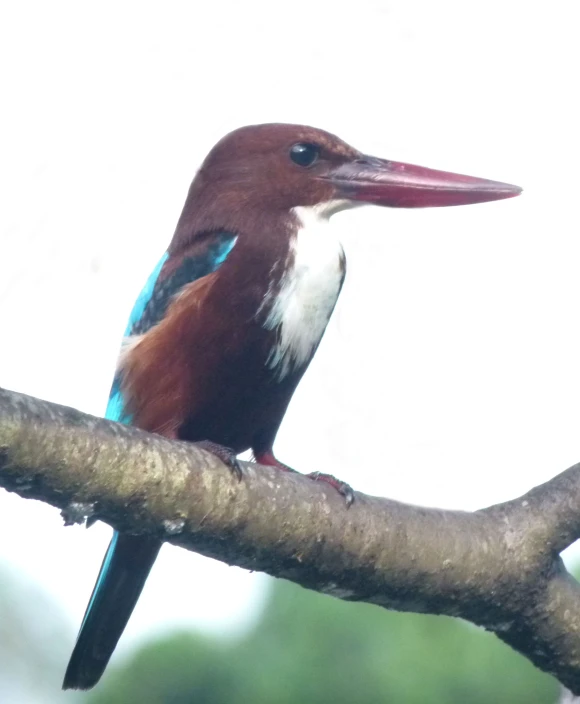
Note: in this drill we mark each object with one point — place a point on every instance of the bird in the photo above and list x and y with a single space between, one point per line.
232 314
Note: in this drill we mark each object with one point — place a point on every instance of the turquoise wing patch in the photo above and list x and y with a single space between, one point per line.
155 297
115 406
145 296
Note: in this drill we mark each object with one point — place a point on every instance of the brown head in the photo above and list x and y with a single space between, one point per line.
276 167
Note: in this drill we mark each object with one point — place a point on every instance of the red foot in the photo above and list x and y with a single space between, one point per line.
342 487
225 454
269 460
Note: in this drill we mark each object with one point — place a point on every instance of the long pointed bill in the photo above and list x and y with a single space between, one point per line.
390 183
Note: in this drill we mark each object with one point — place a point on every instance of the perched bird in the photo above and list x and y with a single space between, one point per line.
230 318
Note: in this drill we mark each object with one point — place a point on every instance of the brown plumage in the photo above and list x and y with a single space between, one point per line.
198 373
230 324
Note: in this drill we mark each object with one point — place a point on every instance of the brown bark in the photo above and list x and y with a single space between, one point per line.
498 567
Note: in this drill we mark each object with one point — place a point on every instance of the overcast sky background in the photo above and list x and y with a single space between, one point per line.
449 374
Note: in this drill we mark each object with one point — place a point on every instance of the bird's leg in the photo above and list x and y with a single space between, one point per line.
225 454
267 457
342 487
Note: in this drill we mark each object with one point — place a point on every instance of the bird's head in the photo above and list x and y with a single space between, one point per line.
282 166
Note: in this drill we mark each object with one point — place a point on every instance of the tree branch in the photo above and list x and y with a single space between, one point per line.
498 567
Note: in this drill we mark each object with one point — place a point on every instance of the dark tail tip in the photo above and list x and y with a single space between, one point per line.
83 674
123 573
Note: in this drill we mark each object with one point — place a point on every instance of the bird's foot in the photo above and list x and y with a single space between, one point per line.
342 487
225 454
269 460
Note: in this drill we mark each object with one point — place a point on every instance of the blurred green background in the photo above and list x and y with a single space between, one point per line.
306 647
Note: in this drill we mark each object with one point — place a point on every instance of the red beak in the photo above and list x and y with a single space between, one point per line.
390 183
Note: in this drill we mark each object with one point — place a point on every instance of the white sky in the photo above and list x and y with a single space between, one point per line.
449 374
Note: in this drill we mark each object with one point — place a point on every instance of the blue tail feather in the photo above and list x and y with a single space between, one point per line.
130 558
123 573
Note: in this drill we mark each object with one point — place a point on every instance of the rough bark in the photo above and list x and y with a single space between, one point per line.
498 567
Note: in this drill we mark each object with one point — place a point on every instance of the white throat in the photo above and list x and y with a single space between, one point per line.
309 289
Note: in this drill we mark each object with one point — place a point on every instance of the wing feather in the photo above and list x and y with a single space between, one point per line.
172 274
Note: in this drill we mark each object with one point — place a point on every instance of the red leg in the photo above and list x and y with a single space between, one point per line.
267 457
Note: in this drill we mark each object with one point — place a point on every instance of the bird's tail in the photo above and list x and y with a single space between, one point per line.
123 573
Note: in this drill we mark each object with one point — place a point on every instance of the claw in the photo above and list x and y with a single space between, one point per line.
267 457
225 454
342 487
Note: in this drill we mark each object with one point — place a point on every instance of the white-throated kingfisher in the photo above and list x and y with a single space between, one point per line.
230 318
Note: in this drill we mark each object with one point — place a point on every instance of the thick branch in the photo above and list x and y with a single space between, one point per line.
498 567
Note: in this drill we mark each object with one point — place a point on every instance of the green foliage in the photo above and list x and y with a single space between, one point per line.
310 648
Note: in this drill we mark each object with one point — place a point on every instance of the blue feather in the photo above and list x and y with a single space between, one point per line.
145 295
130 558
222 249
116 405
156 295
102 574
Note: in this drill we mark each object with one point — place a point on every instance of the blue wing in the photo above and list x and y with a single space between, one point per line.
129 558
156 295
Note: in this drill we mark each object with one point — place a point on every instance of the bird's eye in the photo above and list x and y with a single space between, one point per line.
304 154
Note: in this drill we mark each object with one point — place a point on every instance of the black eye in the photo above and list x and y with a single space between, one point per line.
304 154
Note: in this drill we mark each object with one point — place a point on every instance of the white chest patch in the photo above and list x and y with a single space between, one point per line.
308 292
